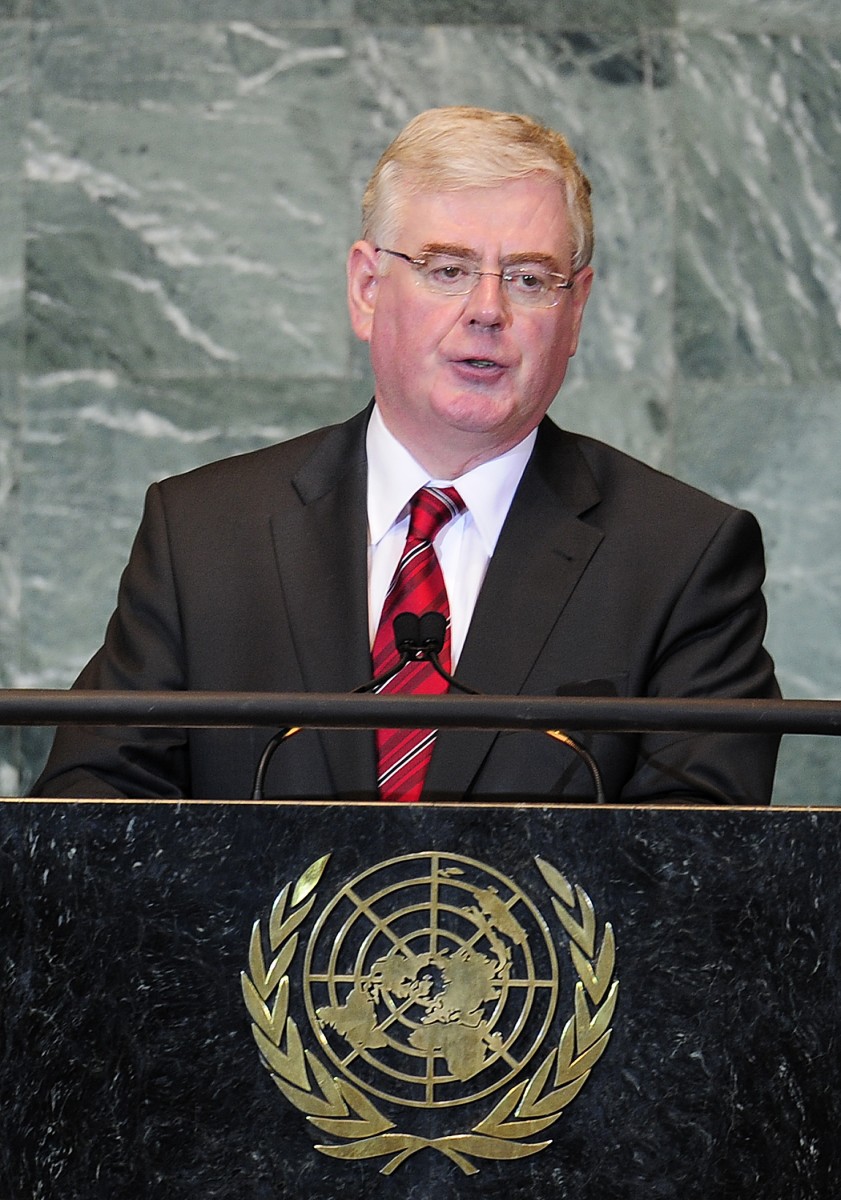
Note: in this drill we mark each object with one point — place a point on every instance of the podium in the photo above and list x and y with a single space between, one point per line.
264 1000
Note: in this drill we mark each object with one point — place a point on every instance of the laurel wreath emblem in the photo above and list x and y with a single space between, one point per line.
338 1108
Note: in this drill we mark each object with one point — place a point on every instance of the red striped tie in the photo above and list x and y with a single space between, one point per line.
418 587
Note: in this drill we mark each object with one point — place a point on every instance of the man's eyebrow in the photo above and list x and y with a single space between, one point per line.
533 257
450 249
530 257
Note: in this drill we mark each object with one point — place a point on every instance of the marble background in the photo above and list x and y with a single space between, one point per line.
179 183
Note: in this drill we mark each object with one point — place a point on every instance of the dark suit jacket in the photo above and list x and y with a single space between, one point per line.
251 574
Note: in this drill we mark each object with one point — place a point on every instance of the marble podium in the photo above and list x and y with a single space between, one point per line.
259 1000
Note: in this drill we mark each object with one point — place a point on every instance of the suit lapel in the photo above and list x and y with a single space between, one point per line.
542 552
321 547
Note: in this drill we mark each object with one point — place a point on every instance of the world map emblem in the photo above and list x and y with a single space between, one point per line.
431 984
430 979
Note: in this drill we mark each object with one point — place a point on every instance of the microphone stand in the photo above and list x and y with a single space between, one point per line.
421 637
430 642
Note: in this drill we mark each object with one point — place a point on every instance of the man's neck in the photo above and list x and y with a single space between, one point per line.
447 462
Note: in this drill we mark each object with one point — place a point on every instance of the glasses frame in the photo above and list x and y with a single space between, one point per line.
503 276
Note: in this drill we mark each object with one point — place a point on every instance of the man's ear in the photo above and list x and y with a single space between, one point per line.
362 281
580 293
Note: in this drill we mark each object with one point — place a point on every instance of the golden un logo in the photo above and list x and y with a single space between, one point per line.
430 982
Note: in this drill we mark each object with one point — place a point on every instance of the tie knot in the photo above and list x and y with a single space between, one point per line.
432 508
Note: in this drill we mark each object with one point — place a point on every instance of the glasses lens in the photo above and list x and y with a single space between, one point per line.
450 276
532 286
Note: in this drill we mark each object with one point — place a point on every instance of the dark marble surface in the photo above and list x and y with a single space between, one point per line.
128 1069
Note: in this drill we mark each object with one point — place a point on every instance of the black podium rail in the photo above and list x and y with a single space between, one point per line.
322 710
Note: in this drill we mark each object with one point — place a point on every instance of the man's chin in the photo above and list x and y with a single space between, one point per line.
477 413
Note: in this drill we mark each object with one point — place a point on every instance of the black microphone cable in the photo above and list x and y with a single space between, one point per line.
429 635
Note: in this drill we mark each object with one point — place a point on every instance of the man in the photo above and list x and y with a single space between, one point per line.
565 566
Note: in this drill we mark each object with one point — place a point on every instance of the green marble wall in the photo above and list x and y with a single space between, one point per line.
179 182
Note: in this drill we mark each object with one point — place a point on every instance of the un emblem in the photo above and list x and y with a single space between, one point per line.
430 982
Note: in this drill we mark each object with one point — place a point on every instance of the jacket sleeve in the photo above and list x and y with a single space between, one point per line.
143 649
711 646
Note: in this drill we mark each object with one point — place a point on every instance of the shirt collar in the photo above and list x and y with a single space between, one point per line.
394 476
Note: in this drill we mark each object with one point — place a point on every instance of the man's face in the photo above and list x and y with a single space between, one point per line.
461 379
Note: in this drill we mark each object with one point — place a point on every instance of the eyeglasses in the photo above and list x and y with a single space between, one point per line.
449 275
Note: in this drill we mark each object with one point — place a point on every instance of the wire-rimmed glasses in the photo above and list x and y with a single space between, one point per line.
531 284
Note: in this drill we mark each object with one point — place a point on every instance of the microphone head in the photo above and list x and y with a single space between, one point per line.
432 629
406 634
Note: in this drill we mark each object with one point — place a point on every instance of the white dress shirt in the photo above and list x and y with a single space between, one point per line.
465 545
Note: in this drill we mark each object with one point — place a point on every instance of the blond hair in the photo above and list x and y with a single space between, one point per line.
446 149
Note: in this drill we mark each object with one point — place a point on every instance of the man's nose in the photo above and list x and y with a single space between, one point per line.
488 303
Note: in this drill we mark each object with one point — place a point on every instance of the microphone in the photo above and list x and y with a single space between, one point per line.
425 635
